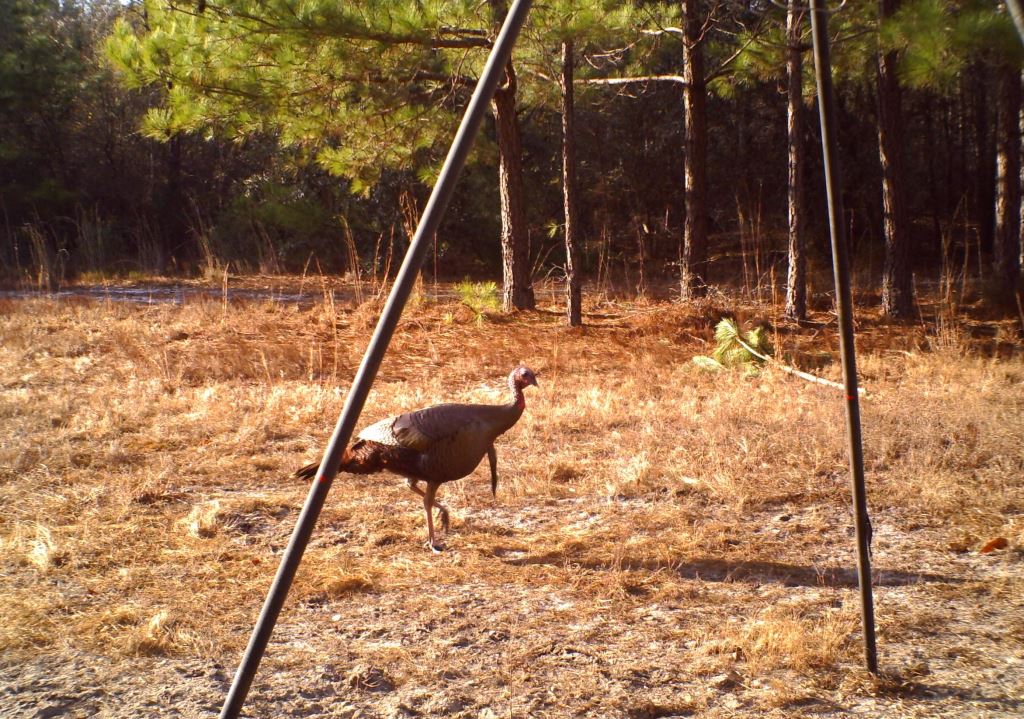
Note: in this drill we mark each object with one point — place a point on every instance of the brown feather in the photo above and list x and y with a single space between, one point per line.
368 457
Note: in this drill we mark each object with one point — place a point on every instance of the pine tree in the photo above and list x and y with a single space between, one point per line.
897 273
573 294
773 51
796 276
517 293
562 30
940 41
1007 247
361 88
694 254
517 290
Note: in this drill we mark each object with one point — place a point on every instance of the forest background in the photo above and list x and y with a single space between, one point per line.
641 145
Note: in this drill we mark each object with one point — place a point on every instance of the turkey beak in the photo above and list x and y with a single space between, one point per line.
533 381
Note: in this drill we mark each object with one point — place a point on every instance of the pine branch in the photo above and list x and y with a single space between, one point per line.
735 336
721 69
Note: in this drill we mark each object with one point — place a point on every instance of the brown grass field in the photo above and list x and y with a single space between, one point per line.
665 541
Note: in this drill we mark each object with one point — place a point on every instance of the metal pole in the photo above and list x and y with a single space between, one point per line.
844 307
1017 15
428 225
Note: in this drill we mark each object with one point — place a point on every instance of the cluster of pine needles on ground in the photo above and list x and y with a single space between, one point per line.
666 540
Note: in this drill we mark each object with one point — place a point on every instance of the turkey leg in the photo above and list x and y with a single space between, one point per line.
414 485
492 457
428 505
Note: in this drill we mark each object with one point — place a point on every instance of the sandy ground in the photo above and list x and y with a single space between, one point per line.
521 648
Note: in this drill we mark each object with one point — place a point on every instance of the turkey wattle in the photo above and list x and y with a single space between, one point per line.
435 445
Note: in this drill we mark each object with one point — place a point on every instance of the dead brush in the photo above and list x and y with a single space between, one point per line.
150 637
136 632
330 578
239 515
948 336
203 519
30 620
795 639
639 509
33 545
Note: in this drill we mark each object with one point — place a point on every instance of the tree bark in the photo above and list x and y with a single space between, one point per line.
897 273
694 255
172 209
517 287
796 279
515 242
984 170
1020 167
1007 243
572 256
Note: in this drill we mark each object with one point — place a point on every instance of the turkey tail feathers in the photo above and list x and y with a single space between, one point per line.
368 457
307 472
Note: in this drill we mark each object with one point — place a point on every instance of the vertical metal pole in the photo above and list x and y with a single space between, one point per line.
1017 15
428 225
844 307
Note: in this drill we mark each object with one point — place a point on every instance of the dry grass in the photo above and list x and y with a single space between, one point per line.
664 542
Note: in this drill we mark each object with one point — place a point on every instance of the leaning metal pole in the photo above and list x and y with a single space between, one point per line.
844 307
1018 16
428 225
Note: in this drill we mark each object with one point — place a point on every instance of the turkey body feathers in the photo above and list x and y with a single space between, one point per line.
453 438
439 444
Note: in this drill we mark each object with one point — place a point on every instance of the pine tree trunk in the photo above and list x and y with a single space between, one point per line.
897 273
933 175
694 255
572 256
796 280
515 242
1007 243
984 168
172 209
1020 160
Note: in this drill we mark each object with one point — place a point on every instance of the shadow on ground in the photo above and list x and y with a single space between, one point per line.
919 689
751 572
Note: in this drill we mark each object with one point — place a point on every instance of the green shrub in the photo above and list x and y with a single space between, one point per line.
480 297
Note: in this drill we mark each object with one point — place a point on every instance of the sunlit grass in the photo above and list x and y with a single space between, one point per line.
145 462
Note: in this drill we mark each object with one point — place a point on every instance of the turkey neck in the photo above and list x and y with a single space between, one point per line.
509 414
518 398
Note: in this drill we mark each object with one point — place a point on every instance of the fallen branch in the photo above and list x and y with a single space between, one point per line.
794 371
630 80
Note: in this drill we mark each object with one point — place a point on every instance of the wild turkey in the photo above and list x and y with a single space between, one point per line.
435 445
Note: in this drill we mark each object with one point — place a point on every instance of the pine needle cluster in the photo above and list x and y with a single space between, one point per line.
735 348
480 297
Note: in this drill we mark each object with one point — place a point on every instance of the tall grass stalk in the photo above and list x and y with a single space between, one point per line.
49 258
